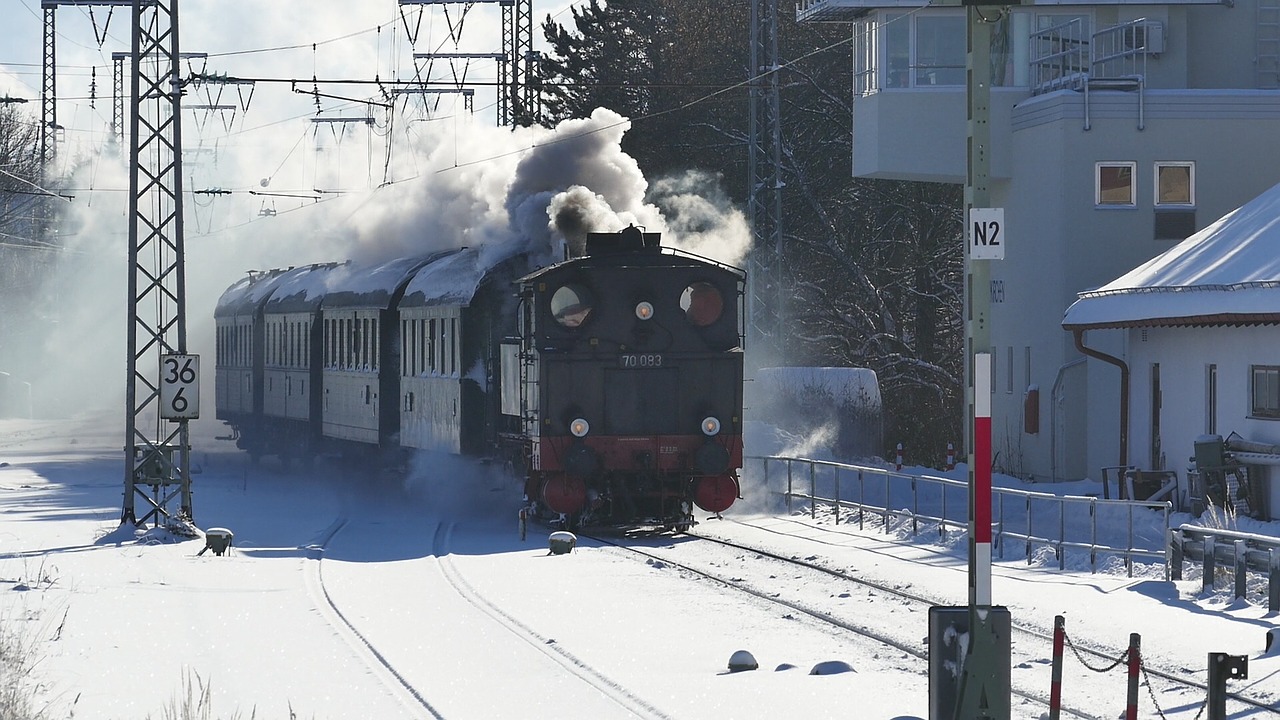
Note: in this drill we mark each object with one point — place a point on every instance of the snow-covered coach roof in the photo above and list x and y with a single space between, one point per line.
450 280
303 288
247 294
377 286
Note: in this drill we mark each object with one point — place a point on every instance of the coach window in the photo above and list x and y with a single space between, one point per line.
423 343
439 361
702 303
453 346
447 346
1114 184
571 304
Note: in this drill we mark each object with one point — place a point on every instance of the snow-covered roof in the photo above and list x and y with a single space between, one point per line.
1228 273
451 280
301 289
246 294
374 287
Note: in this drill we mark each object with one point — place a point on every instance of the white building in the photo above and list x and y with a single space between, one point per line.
1195 331
1118 130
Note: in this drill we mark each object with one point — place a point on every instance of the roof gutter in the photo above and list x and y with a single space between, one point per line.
1078 335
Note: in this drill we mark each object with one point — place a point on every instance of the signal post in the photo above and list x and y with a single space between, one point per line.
981 685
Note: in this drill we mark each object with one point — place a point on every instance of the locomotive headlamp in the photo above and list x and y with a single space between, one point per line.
579 427
710 426
644 310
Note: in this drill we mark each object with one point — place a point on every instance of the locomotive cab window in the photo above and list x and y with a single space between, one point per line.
571 304
702 303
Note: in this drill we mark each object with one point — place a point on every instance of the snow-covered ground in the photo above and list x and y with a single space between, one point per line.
354 597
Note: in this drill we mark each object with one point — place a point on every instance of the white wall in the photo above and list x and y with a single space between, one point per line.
1183 354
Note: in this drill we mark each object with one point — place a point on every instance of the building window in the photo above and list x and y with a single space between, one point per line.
939 50
1265 388
917 49
1211 399
1114 184
1175 184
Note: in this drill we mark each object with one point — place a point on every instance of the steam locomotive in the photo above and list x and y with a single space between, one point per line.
611 382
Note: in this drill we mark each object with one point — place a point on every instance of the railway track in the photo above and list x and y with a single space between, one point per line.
413 692
1093 652
548 647
1031 647
397 683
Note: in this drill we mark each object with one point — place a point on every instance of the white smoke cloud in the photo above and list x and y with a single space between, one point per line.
455 184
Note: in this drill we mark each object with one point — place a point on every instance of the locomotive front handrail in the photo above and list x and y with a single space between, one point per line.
880 489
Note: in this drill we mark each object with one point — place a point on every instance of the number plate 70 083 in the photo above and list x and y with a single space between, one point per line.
640 360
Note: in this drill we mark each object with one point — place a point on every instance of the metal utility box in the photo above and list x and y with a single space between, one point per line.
948 643
1210 452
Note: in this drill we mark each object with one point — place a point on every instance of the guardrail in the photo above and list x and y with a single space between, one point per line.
1242 551
872 491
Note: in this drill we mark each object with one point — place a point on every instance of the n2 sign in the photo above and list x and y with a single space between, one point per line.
986 234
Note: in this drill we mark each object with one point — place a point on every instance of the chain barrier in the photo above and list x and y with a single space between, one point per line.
1075 651
1146 680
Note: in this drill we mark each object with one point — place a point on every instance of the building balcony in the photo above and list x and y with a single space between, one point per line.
921 134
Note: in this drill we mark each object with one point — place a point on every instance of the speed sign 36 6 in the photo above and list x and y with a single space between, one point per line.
179 387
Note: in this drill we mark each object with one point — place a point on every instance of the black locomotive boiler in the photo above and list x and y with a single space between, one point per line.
611 382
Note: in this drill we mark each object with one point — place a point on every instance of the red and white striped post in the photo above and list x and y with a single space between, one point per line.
1135 664
951 456
897 465
981 480
1055 682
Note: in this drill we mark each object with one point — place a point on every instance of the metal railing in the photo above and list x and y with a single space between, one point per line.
1060 57
1245 552
1101 527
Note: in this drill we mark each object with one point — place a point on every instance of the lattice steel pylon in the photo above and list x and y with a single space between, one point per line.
157 463
521 106
766 291
518 99
49 84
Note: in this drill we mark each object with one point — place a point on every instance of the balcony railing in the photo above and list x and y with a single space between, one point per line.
1113 58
